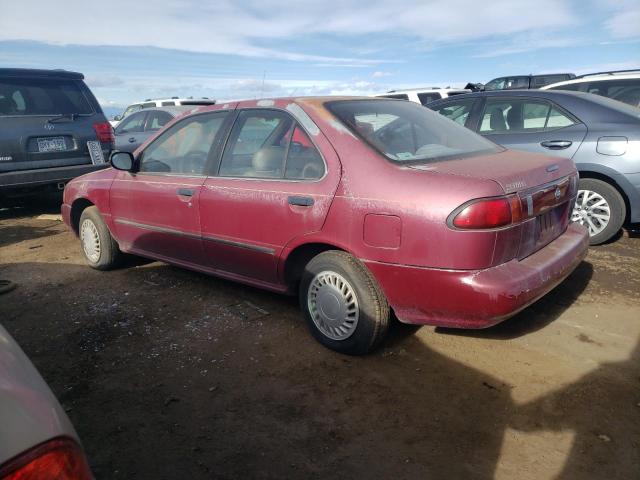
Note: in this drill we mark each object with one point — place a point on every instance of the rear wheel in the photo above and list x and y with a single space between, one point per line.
98 246
343 305
600 208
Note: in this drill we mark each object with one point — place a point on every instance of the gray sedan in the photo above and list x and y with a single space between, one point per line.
137 127
601 135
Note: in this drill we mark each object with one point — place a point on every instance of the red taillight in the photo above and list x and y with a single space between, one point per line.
60 458
104 132
489 213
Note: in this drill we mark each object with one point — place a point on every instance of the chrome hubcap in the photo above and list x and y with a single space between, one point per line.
592 211
333 305
90 240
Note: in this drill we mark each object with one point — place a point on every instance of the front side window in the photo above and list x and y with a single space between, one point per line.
185 147
458 111
521 115
406 132
133 123
132 109
270 144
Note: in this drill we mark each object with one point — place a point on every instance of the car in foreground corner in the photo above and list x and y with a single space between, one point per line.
37 440
359 206
602 137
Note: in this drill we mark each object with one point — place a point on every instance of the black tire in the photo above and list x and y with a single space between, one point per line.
109 255
373 310
616 204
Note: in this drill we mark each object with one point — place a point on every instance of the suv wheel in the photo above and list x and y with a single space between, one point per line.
343 305
600 208
98 246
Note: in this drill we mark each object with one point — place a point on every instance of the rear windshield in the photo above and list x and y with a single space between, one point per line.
406 132
42 96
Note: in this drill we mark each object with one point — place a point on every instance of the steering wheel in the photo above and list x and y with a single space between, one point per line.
193 162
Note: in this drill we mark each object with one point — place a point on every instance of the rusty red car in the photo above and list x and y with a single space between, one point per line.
362 207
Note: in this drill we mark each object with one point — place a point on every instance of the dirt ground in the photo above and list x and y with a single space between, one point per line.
169 374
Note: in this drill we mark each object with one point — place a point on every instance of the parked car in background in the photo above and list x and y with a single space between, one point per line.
37 440
52 129
526 81
161 102
423 95
601 135
357 205
622 85
134 130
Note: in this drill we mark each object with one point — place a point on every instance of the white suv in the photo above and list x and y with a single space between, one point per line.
423 95
622 85
160 102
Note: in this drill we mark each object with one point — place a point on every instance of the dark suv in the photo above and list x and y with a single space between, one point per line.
526 81
52 129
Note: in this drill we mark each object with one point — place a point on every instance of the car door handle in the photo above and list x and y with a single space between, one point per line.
300 201
132 139
185 192
556 144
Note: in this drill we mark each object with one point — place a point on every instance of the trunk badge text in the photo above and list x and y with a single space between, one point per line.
49 126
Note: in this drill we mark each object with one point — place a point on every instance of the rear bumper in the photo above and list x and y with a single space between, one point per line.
44 176
481 298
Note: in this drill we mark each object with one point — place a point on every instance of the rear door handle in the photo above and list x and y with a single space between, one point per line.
556 144
185 192
300 201
132 139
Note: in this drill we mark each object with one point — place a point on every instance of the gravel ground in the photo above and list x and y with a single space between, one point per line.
170 374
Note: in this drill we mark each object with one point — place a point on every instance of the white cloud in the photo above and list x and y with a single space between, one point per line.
250 27
380 74
625 24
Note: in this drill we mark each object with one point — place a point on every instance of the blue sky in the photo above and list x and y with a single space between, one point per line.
130 51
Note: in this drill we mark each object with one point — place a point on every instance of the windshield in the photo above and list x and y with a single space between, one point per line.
42 96
406 132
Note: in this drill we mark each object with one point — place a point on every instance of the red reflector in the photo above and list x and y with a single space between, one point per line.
490 213
104 132
59 459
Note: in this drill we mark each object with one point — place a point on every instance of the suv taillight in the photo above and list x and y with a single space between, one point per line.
60 458
104 132
487 213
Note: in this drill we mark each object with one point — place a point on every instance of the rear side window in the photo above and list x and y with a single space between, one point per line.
168 104
428 97
406 132
42 96
457 111
539 81
397 96
521 115
270 144
184 148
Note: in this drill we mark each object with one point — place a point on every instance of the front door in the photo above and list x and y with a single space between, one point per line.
273 185
156 210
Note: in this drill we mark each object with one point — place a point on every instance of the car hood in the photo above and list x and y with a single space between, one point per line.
29 413
512 170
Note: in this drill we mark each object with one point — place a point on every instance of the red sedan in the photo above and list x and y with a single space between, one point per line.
360 206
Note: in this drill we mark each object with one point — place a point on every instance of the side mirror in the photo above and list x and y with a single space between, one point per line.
122 161
117 118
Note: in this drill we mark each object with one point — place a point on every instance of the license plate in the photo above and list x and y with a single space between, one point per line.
95 152
52 144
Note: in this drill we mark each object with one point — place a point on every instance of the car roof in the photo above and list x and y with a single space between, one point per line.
173 109
602 77
35 72
425 89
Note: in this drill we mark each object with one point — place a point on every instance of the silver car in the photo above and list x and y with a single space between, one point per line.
37 439
134 130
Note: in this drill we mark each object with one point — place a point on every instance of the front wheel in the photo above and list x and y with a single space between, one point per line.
98 246
600 208
342 303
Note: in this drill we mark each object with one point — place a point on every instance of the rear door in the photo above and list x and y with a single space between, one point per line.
273 186
46 122
532 125
156 210
130 132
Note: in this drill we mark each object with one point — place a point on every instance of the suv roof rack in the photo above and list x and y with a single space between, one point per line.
610 72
